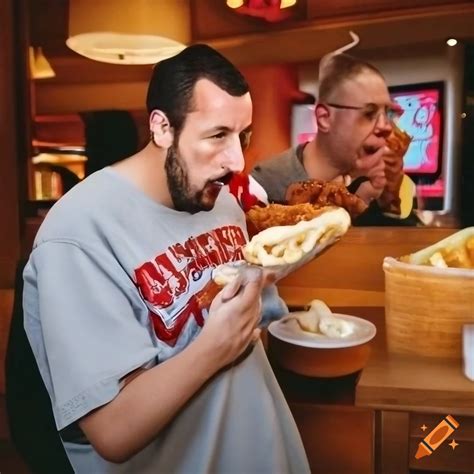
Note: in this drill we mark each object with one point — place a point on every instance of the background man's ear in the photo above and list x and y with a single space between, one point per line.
323 121
161 131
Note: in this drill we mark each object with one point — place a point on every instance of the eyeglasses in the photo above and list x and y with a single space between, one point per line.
372 111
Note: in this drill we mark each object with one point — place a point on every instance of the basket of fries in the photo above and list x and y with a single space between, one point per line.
429 296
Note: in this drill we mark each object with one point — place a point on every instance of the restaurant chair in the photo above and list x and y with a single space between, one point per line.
30 416
110 136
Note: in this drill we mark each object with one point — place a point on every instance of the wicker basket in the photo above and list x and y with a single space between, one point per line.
426 307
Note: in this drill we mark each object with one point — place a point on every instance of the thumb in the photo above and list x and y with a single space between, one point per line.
232 288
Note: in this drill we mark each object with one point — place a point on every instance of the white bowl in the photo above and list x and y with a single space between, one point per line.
316 355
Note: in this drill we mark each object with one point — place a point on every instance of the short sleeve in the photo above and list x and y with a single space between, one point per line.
86 324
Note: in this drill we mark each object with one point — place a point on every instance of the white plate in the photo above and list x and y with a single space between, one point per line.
363 331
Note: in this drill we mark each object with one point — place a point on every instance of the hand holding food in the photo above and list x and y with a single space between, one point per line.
234 316
394 193
286 238
279 250
371 167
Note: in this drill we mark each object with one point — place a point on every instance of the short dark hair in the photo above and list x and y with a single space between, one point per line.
339 68
172 82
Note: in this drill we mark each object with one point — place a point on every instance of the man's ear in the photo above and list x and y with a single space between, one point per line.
162 132
323 117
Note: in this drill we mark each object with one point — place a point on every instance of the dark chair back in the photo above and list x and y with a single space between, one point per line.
111 136
30 416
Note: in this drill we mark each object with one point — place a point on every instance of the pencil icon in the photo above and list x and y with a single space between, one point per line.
436 437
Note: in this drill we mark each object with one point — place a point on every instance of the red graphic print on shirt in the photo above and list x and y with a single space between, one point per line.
170 283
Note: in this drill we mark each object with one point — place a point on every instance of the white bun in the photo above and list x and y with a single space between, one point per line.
283 245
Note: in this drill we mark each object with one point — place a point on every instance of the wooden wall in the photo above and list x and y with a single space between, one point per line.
9 172
14 133
274 88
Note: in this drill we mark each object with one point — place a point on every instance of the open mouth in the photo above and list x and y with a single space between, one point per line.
223 180
371 149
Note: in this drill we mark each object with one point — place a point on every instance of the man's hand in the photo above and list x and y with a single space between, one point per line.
234 316
372 167
393 163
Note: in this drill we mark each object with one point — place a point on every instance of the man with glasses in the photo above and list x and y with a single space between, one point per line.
354 116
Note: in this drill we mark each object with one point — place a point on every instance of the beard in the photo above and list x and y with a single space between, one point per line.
184 198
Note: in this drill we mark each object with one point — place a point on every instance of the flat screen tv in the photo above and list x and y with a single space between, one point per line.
422 118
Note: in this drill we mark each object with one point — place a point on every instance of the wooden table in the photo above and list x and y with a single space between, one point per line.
385 407
408 392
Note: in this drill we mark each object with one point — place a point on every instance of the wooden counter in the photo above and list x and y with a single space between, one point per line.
408 383
384 407
350 273
407 393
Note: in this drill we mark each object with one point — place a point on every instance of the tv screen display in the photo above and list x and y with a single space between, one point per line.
422 119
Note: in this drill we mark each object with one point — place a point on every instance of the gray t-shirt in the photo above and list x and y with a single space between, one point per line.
276 174
112 285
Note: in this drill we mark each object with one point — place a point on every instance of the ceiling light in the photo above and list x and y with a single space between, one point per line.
235 3
124 32
452 42
117 48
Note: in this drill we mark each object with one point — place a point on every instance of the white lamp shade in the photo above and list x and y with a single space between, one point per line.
128 32
117 48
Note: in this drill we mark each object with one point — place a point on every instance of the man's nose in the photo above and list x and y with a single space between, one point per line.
383 126
234 156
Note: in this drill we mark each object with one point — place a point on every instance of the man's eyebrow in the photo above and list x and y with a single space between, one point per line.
224 128
218 129
381 104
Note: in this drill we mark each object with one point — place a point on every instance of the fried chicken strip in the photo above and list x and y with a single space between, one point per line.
321 193
261 218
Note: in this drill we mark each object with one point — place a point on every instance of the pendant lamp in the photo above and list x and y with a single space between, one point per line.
128 32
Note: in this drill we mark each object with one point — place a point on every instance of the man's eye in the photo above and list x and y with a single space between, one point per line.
370 113
219 136
393 114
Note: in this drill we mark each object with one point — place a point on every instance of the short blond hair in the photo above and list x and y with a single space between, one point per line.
338 68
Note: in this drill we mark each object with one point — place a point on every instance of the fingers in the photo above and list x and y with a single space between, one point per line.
377 174
365 165
246 275
393 162
368 192
232 288
379 179
256 335
252 274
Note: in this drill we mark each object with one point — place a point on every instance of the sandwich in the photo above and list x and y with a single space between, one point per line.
290 242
